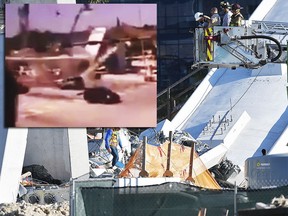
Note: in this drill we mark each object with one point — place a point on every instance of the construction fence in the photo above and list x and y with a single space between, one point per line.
101 197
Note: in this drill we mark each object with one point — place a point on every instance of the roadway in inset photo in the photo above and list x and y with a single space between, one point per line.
52 106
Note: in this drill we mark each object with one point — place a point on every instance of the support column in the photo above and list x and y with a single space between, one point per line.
79 158
12 148
62 151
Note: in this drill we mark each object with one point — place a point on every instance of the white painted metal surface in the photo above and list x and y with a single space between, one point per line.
281 145
277 12
262 10
262 97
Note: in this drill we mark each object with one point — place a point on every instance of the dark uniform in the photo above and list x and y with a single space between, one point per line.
237 17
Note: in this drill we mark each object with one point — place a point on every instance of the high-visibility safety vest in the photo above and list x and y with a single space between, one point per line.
114 139
236 19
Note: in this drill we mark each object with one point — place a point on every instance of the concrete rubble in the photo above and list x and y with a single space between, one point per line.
23 209
276 202
32 199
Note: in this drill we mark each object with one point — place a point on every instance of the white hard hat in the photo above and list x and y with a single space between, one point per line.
198 15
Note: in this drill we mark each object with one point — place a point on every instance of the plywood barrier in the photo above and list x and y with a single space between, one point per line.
156 162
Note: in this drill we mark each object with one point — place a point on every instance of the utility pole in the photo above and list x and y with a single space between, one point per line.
23 13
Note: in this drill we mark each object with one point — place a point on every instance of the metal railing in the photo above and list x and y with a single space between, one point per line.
269 27
173 97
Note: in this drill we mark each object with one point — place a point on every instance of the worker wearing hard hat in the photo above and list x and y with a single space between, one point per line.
112 141
206 21
202 19
227 13
237 17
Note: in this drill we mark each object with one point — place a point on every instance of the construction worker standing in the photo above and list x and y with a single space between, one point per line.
227 13
237 17
112 140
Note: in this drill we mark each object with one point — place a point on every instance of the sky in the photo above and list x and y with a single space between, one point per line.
43 16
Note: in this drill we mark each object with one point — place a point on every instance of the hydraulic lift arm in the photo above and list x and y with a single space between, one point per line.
247 46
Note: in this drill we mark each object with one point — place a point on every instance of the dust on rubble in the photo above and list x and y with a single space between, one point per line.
24 209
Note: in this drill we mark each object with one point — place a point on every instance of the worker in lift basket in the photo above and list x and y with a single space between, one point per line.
112 140
202 19
227 13
237 17
215 19
206 21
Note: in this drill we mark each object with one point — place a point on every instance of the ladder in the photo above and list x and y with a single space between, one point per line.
238 50
268 27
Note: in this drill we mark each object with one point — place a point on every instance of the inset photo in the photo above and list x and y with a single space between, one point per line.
80 65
